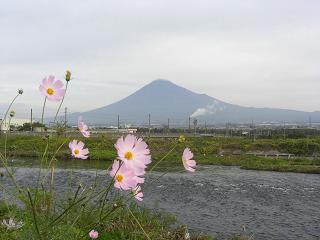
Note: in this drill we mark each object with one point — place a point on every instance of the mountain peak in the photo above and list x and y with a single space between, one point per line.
161 82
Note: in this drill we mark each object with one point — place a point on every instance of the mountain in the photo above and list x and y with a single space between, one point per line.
163 99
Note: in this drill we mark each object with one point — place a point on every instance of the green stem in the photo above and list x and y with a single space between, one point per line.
34 214
40 168
107 191
55 118
134 217
13 194
168 153
44 105
88 199
66 211
5 115
53 157
5 141
97 223
52 188
4 162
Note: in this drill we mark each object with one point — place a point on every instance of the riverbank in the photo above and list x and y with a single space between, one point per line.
157 225
208 151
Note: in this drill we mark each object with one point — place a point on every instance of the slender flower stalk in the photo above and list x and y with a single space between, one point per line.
6 140
51 189
20 91
34 215
44 106
164 157
105 194
10 174
60 105
67 78
134 217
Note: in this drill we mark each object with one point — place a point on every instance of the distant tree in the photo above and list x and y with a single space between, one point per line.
27 126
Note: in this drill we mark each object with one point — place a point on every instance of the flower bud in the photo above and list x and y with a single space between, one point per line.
12 113
20 91
182 139
68 75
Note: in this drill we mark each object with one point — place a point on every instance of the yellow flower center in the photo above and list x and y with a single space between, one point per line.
50 91
76 151
128 155
119 178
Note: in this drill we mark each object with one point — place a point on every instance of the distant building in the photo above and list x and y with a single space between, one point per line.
16 122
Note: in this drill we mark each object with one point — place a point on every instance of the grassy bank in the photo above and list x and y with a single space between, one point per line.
157 225
215 151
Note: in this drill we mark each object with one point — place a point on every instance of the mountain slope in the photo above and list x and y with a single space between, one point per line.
162 100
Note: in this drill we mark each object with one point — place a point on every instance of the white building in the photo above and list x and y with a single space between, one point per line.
14 121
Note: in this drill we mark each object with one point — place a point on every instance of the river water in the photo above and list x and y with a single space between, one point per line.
224 200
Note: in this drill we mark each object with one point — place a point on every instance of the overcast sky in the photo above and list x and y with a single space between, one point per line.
263 53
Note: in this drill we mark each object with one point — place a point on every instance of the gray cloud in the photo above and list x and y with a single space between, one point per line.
251 52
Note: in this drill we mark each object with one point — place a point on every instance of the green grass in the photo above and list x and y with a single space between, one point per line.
118 226
206 151
121 225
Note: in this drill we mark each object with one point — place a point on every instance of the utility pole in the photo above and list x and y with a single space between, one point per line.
65 116
65 121
168 125
149 124
195 123
226 134
284 130
118 123
253 130
189 123
310 122
205 127
31 128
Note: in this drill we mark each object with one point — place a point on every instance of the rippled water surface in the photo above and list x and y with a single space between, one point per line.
226 200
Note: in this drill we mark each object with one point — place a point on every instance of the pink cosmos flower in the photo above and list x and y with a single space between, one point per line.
134 153
187 161
77 149
83 128
124 177
138 194
52 88
93 234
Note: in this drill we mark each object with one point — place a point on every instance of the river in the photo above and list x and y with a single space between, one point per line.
225 200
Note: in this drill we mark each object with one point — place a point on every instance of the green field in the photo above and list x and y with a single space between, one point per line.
207 150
